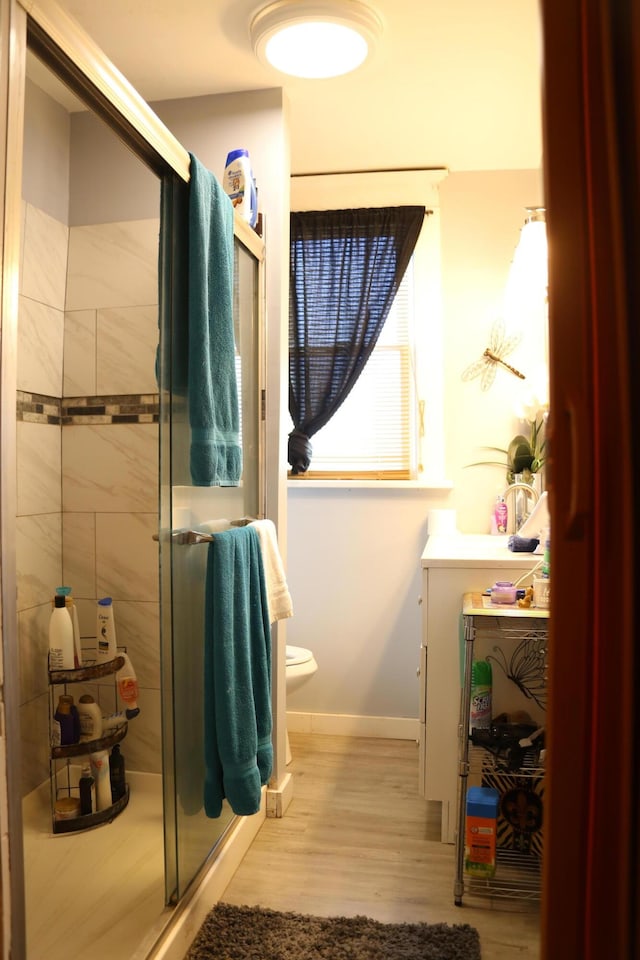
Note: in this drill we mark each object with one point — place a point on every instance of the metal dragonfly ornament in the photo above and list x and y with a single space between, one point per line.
499 348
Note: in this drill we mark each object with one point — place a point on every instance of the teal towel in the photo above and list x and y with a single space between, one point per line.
216 454
237 674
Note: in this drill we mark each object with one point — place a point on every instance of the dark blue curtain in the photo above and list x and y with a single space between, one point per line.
346 267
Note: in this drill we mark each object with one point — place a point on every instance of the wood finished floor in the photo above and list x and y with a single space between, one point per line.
357 839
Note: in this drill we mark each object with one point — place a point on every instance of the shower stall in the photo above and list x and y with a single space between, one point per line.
101 452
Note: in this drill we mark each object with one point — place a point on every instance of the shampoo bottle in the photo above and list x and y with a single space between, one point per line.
105 631
128 688
239 185
100 769
61 648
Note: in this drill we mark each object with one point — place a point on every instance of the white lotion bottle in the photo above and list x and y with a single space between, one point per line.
73 613
90 718
106 648
61 649
99 763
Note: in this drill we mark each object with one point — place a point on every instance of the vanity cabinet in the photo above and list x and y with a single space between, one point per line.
65 760
451 567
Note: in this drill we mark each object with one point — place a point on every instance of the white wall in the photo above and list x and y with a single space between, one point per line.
354 555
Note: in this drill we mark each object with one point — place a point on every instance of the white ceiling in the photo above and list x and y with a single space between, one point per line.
454 83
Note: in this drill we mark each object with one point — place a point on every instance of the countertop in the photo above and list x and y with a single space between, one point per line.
475 550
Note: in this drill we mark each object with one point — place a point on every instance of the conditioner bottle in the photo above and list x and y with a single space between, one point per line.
105 631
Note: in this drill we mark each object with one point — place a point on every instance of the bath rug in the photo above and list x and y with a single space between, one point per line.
255 933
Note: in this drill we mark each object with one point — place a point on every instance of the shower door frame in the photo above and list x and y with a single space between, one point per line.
175 636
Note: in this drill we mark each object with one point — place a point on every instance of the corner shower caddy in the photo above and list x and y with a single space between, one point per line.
522 654
62 782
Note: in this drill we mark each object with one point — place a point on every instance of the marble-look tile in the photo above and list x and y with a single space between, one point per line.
44 268
79 354
33 640
38 448
138 629
87 619
38 558
110 467
142 748
113 265
34 725
79 553
127 556
40 339
127 339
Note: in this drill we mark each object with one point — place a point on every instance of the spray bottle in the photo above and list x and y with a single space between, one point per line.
481 686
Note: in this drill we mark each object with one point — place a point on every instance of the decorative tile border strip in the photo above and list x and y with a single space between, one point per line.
38 408
71 411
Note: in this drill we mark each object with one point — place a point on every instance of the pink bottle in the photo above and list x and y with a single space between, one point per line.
501 515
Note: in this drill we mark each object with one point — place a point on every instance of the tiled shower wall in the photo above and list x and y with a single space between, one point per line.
87 458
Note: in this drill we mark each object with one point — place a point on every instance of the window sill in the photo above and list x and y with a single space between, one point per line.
431 485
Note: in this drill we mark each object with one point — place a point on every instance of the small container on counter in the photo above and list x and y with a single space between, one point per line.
503 591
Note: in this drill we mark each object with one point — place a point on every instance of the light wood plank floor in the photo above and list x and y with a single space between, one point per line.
357 839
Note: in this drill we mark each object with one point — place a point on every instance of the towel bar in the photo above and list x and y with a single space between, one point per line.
196 536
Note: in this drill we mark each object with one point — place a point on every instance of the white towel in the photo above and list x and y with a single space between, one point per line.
278 596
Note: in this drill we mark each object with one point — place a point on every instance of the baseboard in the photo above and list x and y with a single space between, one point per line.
344 725
184 921
278 799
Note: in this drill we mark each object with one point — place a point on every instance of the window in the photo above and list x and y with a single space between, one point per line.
417 310
372 435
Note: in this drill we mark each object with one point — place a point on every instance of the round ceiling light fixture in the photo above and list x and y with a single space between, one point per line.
315 39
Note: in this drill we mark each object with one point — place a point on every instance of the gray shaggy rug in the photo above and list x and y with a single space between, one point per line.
254 933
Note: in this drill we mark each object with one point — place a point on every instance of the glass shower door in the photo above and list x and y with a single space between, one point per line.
190 836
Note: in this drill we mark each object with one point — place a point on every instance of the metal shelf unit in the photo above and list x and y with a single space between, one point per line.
517 640
62 782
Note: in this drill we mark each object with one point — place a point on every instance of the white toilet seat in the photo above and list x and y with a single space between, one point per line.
296 655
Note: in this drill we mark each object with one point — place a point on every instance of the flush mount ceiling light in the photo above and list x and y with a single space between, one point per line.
315 39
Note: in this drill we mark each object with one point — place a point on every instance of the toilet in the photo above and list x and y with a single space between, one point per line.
300 666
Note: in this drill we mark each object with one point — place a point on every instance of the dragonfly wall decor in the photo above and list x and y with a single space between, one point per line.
499 348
